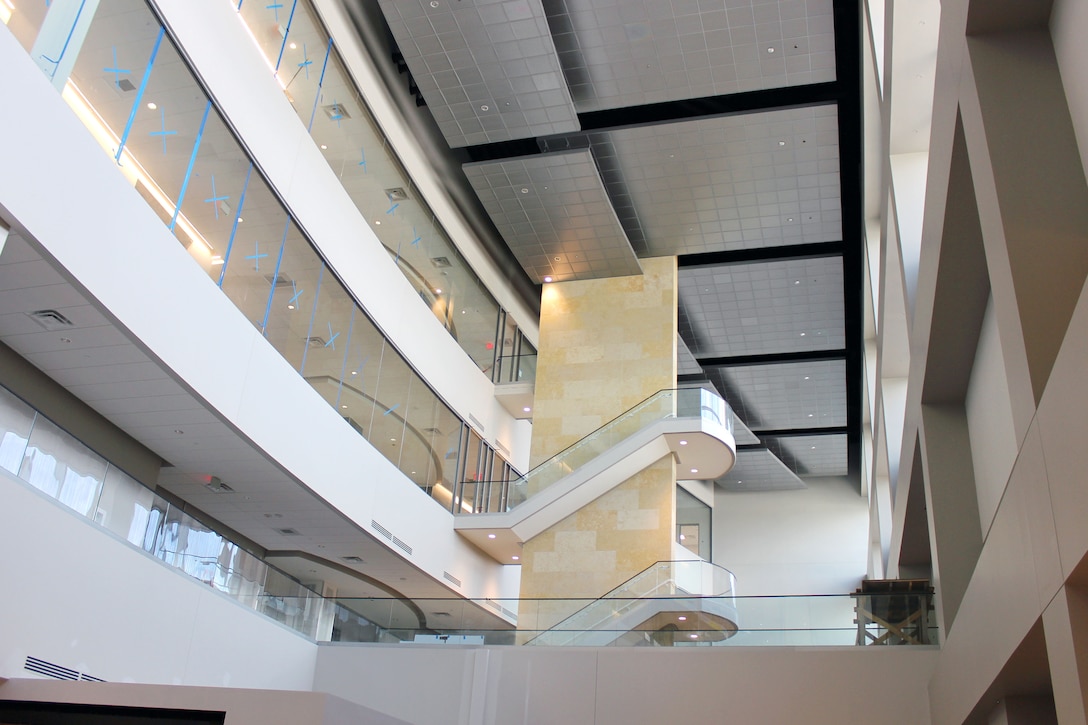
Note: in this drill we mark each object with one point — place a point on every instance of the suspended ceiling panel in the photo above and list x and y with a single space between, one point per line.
731 182
618 53
742 434
554 213
488 70
818 455
760 470
786 395
783 306
685 361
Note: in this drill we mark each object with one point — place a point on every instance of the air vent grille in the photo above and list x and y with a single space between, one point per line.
315 341
451 578
401 545
476 420
494 605
287 532
381 529
396 194
50 319
278 280
48 669
336 112
441 262
352 559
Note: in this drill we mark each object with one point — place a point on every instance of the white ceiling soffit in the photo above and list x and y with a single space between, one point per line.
619 53
742 434
760 470
97 362
488 70
555 215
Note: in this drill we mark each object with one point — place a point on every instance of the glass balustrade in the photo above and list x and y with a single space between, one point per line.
121 75
694 403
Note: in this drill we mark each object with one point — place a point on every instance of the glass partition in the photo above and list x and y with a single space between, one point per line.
308 67
697 403
135 94
64 469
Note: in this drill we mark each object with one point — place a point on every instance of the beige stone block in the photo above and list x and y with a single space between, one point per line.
639 520
575 541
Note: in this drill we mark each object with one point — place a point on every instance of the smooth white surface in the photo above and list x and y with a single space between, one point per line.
82 599
621 686
989 421
812 541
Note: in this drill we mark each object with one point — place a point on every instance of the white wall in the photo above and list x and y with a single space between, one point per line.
619 686
812 541
989 420
78 597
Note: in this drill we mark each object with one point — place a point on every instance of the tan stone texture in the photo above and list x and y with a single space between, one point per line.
605 346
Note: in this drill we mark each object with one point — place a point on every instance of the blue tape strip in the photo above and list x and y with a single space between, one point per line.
139 98
64 48
192 162
320 83
275 276
115 70
286 32
391 409
234 228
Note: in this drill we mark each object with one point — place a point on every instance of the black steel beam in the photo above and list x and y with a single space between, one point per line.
772 358
795 432
761 254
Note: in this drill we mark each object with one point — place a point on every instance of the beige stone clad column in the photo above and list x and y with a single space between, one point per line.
605 345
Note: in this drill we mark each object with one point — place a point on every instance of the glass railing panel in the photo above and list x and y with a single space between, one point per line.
62 468
322 93
58 465
16 422
134 93
677 621
515 369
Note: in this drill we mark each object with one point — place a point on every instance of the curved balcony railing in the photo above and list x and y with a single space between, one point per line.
500 496
677 587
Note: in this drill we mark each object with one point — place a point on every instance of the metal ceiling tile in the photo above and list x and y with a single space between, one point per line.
619 53
742 434
818 455
745 181
760 470
488 70
757 308
554 213
685 361
785 395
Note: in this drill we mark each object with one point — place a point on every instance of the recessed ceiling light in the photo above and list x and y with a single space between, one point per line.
179 431
344 407
781 143
526 409
292 46
683 443
290 307
437 291
392 440
66 340
378 222
354 372
548 279
491 536
516 558
524 190
152 105
695 470
810 415
694 636
434 3
485 107
324 147
797 281
682 618
558 259
802 334
806 377
240 220
813 448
